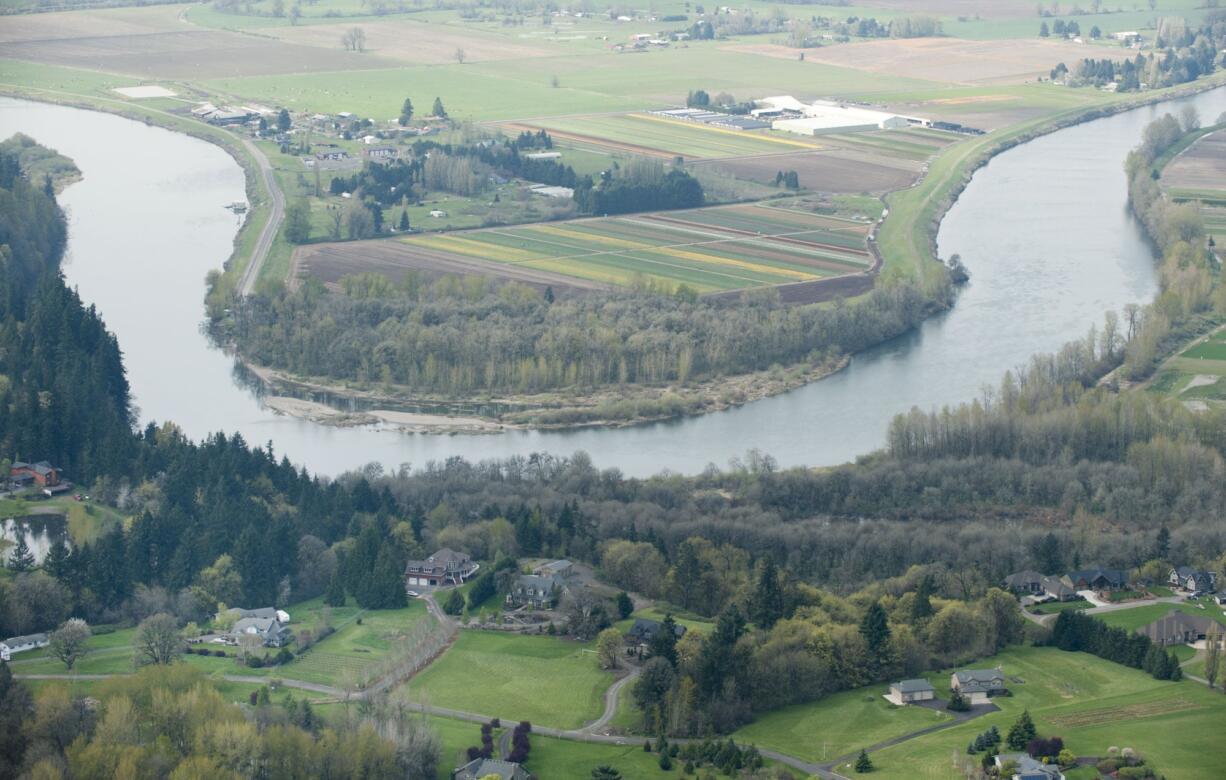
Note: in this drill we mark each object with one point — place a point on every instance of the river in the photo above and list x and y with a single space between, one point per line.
1044 229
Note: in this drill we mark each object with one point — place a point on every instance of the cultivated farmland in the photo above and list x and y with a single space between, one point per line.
710 250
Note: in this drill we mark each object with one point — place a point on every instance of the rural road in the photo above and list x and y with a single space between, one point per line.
610 702
277 212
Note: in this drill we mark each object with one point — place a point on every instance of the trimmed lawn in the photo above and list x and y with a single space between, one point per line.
1053 607
559 758
544 680
839 724
1132 619
1092 704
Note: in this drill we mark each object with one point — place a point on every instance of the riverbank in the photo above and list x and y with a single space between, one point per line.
607 407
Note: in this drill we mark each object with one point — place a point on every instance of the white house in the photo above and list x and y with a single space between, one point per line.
20 644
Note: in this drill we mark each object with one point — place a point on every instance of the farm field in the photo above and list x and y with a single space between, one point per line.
1092 704
712 249
840 724
1199 168
545 680
645 133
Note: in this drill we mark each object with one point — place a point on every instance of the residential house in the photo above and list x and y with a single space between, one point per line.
437 213
1192 579
977 685
535 591
1097 579
483 768
42 474
330 153
20 644
265 613
1177 628
644 630
1027 768
563 569
381 153
1039 586
271 631
445 568
908 691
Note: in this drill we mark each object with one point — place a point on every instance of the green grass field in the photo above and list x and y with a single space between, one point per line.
676 137
545 680
1092 704
839 724
1132 619
724 248
1053 607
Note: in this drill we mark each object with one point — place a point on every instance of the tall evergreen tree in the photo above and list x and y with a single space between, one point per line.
766 605
1021 732
334 596
875 628
21 559
664 642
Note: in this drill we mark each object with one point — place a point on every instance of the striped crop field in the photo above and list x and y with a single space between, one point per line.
663 137
710 250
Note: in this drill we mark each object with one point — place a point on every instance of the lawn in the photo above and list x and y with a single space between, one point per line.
1092 704
554 682
839 724
1132 619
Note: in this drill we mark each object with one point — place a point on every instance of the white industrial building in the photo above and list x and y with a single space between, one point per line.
791 115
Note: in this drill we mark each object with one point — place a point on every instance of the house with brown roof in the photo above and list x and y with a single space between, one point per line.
42 474
446 568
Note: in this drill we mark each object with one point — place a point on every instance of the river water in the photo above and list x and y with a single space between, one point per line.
1044 229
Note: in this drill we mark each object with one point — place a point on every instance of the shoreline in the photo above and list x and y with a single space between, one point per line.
542 412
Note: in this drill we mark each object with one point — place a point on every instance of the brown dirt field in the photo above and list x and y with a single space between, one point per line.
330 262
949 60
836 172
77 24
1202 166
188 55
415 42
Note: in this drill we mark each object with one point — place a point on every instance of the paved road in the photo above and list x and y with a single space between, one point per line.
610 702
277 212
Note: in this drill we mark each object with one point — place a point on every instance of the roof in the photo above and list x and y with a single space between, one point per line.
27 639
483 767
1028 768
1175 624
256 625
1022 578
538 582
913 686
1114 576
261 612
555 566
647 628
42 467
980 680
1056 587
442 561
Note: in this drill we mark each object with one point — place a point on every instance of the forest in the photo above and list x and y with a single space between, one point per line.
1183 53
475 335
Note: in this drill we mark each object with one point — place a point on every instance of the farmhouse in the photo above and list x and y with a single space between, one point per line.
484 768
20 644
1177 628
446 567
271 632
1192 579
1097 579
908 691
976 685
563 569
538 592
42 474
1028 768
644 630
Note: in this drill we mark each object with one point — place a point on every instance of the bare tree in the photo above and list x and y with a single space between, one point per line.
67 643
460 56
354 39
158 640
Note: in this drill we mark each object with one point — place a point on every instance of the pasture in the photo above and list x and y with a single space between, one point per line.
1133 619
710 250
839 724
550 681
1092 704
1200 167
832 171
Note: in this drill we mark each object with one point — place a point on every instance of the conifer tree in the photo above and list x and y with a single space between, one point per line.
864 763
1021 732
21 559
335 595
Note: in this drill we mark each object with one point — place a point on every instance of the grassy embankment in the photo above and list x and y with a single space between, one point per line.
93 90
